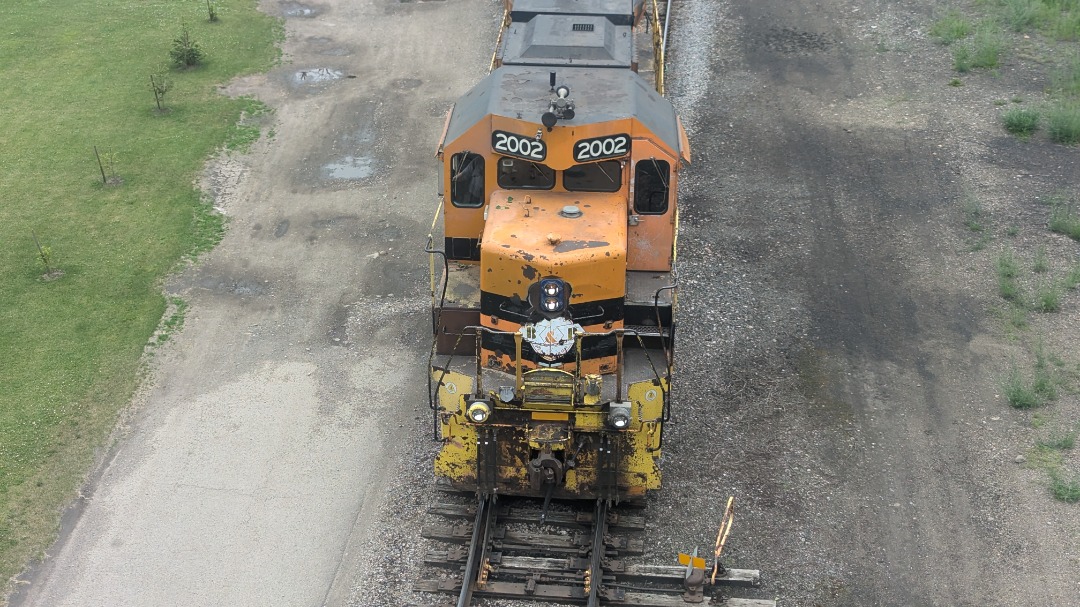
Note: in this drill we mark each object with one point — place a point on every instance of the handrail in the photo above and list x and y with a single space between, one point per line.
658 47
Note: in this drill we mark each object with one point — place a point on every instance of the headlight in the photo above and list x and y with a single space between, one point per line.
552 295
478 411
619 416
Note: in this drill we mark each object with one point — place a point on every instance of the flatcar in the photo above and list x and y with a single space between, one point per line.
553 285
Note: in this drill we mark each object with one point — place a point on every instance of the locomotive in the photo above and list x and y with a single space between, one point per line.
553 287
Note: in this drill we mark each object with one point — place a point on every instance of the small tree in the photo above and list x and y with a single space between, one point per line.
44 254
160 86
212 10
185 52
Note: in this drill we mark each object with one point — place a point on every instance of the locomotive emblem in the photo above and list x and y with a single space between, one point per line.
551 338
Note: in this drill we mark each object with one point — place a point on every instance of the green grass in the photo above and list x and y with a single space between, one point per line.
1020 121
77 75
1063 122
951 27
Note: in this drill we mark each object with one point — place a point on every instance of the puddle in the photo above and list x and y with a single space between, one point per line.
316 75
296 9
351 167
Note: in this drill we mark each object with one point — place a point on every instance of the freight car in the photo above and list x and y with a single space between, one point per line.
554 283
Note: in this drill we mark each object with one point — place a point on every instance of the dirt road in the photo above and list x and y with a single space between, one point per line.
261 445
840 358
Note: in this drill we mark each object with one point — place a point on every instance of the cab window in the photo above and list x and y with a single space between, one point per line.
467 180
517 174
603 176
651 179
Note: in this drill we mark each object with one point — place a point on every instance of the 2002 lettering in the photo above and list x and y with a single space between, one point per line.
601 148
519 146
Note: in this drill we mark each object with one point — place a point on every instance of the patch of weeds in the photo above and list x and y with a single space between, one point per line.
1072 279
974 214
1007 269
1063 123
1041 264
1064 488
961 56
1066 78
951 27
1063 220
1065 26
174 322
974 246
1019 394
1061 441
987 45
1048 298
209 229
1021 121
1044 382
1017 317
1000 102
247 129
956 82
1017 99
1038 420
1012 231
1021 15
1041 457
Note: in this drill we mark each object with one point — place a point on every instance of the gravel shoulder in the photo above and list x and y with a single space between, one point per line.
841 346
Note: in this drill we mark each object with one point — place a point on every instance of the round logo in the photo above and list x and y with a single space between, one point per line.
551 338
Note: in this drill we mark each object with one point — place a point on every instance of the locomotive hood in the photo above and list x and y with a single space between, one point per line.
578 238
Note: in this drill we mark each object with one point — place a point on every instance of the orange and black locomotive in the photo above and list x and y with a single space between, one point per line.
553 285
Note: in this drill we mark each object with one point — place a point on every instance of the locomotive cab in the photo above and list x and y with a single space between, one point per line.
554 292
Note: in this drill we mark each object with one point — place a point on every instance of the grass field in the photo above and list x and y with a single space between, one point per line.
77 75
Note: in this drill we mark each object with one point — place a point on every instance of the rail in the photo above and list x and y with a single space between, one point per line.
573 557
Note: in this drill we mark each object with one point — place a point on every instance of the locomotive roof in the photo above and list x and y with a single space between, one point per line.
619 12
599 95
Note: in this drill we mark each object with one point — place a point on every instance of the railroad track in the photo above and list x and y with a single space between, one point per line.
575 557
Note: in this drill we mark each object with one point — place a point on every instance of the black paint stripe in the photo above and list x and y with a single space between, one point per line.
517 309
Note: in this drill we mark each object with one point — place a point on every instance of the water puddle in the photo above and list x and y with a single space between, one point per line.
316 75
296 9
351 168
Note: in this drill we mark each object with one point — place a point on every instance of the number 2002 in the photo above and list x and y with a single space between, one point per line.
601 147
516 145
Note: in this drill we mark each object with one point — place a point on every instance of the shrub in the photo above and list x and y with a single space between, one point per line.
987 46
1063 220
1066 78
1042 264
1063 123
185 52
1048 299
950 28
1023 14
1020 121
1065 489
1019 394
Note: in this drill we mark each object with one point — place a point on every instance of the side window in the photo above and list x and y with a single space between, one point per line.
517 174
603 176
467 180
651 180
